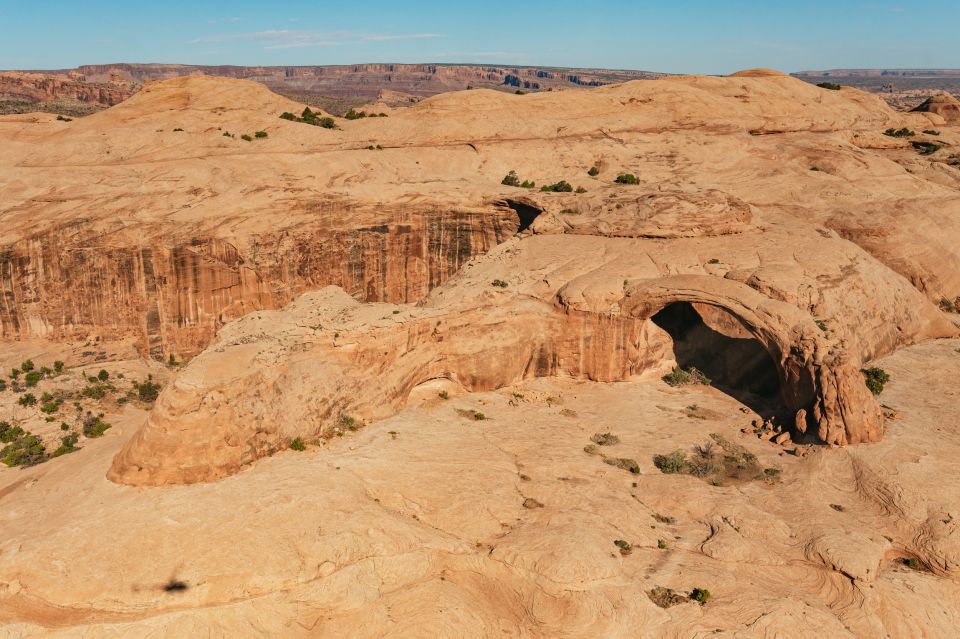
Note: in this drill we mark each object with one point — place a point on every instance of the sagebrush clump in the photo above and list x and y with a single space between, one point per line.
875 379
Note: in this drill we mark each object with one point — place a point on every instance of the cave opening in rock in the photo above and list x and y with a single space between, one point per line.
718 344
526 213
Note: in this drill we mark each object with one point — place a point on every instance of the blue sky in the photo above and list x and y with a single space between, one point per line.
683 36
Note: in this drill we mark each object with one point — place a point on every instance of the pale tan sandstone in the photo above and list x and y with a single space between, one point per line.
424 533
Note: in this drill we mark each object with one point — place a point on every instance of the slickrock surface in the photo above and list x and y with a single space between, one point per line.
452 353
415 526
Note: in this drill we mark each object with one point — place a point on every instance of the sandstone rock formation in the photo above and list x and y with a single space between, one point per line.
367 80
942 104
450 350
63 93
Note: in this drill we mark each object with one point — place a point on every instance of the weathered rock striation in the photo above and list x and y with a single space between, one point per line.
778 203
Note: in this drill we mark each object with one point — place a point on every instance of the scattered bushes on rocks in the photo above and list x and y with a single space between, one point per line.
672 463
899 133
829 85
31 379
26 450
717 460
27 399
148 390
627 178
931 132
875 378
625 546
64 119
68 444
700 595
311 117
499 284
594 171
9 433
925 148
246 138
605 439
298 444
94 426
680 377
27 366
260 134
443 395
560 187
348 422
355 115
624 463
511 179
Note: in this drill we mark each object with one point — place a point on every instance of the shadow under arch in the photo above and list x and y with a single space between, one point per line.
720 345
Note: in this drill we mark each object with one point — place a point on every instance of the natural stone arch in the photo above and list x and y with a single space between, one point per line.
820 381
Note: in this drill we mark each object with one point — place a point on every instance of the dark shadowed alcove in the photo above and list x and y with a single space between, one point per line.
526 213
718 344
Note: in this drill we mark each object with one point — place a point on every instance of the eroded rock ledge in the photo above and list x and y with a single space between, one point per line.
273 376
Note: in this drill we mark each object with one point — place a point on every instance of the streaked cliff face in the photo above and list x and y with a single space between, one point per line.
172 294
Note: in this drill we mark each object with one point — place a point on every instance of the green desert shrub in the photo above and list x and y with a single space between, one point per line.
829 85
260 134
627 178
903 132
58 367
925 148
355 115
559 187
148 390
94 426
27 366
246 138
510 179
68 444
875 378
700 595
298 444
9 433
594 171
499 284
27 399
931 132
672 463
26 450
680 377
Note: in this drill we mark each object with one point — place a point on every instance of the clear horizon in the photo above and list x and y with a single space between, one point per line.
679 37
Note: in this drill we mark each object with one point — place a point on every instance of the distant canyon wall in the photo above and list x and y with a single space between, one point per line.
74 283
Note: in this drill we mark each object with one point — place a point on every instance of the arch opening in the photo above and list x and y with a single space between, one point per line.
721 346
526 213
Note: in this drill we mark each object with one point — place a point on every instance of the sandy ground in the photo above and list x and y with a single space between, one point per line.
416 526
